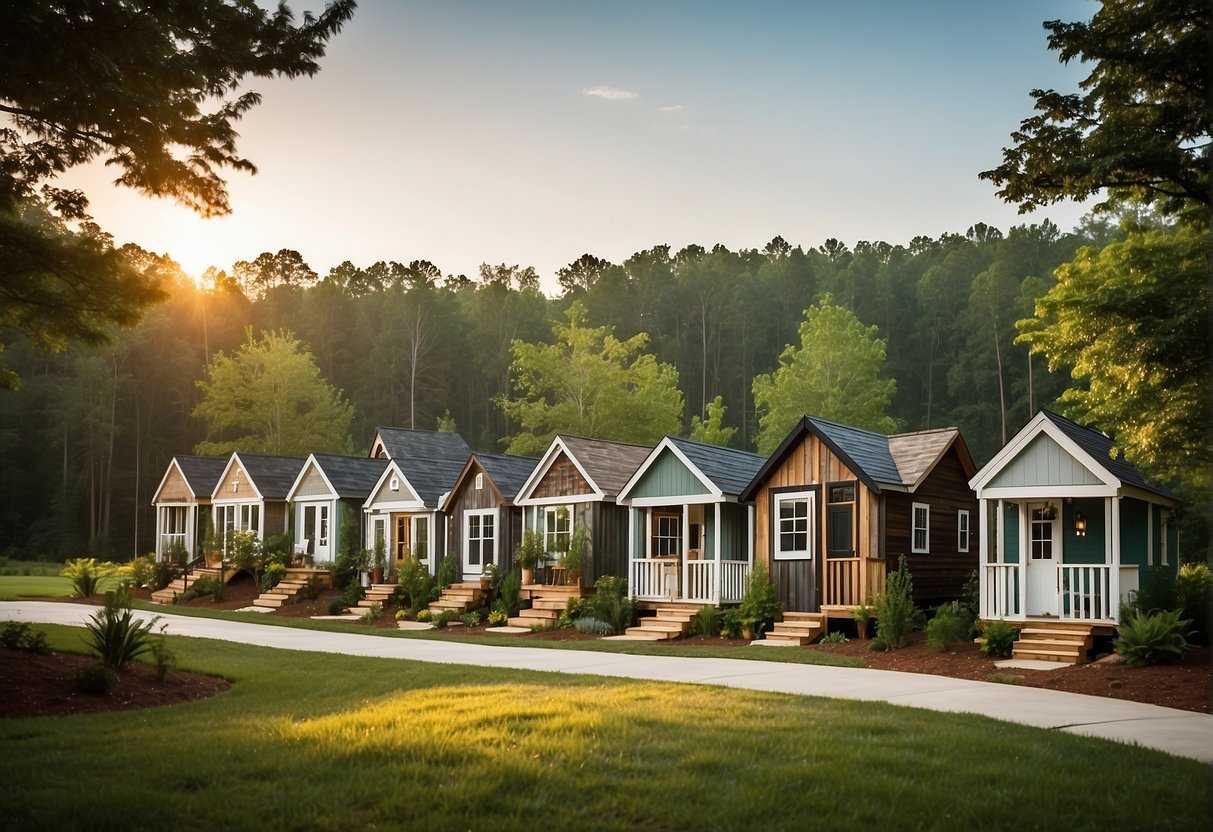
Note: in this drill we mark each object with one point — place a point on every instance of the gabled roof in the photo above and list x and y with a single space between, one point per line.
606 465
200 473
724 471
431 478
1089 447
901 461
348 476
507 473
406 443
271 476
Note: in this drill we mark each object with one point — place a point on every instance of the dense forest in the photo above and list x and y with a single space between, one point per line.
88 435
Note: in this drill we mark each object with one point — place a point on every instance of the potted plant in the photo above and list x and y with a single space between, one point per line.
863 616
380 563
574 559
528 555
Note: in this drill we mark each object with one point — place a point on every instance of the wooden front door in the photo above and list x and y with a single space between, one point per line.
401 541
1043 556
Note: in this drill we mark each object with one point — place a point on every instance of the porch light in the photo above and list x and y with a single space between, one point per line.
1080 524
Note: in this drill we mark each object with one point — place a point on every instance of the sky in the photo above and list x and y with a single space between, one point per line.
526 132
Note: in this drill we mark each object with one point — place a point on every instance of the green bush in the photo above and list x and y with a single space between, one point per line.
498 618
350 564
86 575
311 588
590 624
706 622
414 584
895 610
610 603
470 619
354 592
1000 638
163 658
442 619
835 637
759 608
164 572
1157 591
95 680
510 599
1158 637
373 613
185 597
142 570
273 575
207 585
969 604
947 627
425 615
336 605
1194 595
448 571
18 636
115 634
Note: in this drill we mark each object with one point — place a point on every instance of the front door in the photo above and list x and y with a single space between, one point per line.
1043 556
401 542
479 541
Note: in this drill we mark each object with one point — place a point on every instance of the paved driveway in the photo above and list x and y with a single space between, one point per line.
1182 733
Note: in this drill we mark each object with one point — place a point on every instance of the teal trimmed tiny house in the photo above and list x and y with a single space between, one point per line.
1068 531
690 538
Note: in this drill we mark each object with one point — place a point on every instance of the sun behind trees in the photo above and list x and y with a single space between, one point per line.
269 397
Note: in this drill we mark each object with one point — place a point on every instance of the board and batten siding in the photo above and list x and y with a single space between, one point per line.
798 582
669 477
939 575
470 499
608 549
1043 462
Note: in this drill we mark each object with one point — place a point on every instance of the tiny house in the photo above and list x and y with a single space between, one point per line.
690 538
1069 529
483 524
251 495
182 504
575 485
837 506
327 497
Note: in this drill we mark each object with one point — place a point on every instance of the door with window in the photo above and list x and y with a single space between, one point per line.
1043 557
479 541
316 531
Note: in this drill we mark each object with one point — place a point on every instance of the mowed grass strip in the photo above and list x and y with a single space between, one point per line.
316 741
37 579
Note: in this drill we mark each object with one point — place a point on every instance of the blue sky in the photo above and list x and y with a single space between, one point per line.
530 132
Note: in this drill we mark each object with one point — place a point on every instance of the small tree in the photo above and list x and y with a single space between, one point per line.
895 610
712 429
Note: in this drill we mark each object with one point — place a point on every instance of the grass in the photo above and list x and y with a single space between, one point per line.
29 567
338 742
16 587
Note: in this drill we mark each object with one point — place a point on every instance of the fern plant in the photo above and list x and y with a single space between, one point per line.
116 635
1159 637
1000 638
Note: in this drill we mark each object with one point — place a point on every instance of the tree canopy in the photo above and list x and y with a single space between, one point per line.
155 91
269 397
1139 128
591 384
834 373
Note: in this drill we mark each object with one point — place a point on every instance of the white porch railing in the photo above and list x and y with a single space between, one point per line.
702 581
1085 592
168 541
1000 591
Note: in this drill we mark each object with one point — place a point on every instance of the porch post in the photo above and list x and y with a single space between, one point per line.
686 550
1112 556
1024 547
749 536
631 552
716 570
983 554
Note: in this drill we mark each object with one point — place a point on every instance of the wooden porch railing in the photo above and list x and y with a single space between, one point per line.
853 581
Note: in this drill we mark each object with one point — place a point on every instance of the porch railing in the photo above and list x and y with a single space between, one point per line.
1000 590
648 579
697 585
702 581
733 577
168 541
842 583
1085 591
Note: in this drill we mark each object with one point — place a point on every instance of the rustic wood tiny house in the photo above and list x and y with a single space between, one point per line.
483 524
183 502
575 484
837 506
251 495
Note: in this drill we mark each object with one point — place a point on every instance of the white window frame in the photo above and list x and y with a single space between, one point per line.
962 530
467 537
419 522
809 498
673 540
551 544
915 528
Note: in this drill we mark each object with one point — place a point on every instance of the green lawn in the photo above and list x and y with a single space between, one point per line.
314 741
15 587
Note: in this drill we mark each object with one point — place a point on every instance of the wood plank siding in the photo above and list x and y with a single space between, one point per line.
469 498
561 479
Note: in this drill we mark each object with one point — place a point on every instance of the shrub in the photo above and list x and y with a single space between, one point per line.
589 624
115 634
373 613
163 659
530 550
273 575
336 605
164 572
470 619
510 599
731 623
424 615
947 627
95 679
579 543
311 588
448 571
413 584
706 622
350 564
1000 638
836 637
610 603
1194 595
443 618
142 570
18 636
759 607
206 585
86 575
1157 591
1159 637
354 592
498 618
969 604
895 610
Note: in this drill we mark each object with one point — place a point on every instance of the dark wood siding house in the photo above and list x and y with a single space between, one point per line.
837 506
576 484
483 524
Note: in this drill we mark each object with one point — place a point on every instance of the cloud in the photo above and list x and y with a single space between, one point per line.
673 108
610 93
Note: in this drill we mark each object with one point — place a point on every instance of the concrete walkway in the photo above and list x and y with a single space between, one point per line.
1181 733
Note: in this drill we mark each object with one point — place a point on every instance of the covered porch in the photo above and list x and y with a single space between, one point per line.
691 553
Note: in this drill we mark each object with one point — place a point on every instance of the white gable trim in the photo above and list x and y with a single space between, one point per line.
217 496
312 462
667 444
172 463
553 452
409 499
1041 423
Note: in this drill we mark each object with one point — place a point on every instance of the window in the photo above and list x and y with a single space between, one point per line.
480 537
421 538
962 530
794 526
557 528
323 532
842 493
1041 532
920 533
667 535
480 482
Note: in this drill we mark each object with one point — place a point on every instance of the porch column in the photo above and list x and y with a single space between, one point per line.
631 552
1024 547
716 569
686 550
1112 556
983 554
749 536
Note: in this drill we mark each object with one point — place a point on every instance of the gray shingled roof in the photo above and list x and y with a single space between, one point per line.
431 478
272 476
405 443
609 464
915 452
202 473
508 473
728 469
351 476
1100 448
868 450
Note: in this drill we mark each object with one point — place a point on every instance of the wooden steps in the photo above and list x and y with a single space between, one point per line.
179 585
669 622
547 603
798 628
1064 642
459 598
377 594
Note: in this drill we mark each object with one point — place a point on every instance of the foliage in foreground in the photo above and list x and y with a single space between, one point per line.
999 639
895 610
86 575
116 635
1158 637
334 729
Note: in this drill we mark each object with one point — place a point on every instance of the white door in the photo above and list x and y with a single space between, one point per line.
479 541
1044 555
